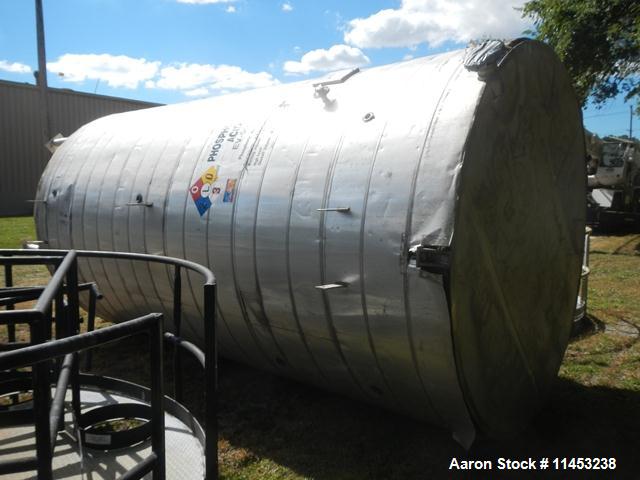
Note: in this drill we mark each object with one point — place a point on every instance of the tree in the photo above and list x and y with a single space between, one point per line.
597 40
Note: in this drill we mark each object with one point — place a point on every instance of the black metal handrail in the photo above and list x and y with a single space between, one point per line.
67 265
24 294
68 347
39 320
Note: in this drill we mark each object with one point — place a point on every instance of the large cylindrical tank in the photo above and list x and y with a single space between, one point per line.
410 234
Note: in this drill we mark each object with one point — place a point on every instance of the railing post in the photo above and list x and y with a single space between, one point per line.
60 316
177 321
91 323
73 301
156 339
11 328
585 286
41 401
211 383
73 325
8 282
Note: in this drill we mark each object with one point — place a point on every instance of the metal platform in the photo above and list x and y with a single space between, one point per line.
67 431
184 450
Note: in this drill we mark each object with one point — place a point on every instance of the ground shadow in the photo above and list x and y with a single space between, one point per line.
325 436
616 229
627 239
587 326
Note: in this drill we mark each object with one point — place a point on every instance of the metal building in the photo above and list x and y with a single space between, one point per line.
23 155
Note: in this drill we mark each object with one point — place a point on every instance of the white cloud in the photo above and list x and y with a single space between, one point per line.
197 92
194 77
335 58
231 9
14 67
436 21
203 2
287 7
116 70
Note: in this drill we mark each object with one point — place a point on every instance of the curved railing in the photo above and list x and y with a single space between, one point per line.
37 352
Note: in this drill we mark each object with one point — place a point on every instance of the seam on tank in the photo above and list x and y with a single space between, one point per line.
255 251
363 299
185 204
144 230
146 265
83 210
294 308
208 250
101 260
47 188
234 275
45 194
459 368
187 275
64 162
408 225
106 301
322 258
163 224
128 222
117 263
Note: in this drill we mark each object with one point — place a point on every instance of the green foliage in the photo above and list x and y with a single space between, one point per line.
598 41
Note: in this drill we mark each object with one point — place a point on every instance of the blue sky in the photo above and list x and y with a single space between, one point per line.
175 50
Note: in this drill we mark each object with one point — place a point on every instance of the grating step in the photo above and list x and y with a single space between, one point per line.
184 451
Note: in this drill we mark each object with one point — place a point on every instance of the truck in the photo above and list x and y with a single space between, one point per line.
613 181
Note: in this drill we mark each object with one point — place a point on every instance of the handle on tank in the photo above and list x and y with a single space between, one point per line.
334 209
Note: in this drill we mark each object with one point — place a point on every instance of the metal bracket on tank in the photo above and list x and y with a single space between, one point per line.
332 286
432 259
139 202
34 244
53 144
342 79
322 89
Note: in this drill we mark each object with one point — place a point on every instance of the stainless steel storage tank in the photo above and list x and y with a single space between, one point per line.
410 234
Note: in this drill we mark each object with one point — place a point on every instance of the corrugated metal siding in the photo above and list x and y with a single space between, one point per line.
22 152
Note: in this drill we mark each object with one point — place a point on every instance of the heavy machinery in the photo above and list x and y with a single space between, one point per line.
613 167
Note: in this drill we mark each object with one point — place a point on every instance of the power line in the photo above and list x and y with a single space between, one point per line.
622 112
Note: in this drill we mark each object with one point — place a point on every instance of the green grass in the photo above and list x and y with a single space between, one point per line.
14 230
610 358
273 428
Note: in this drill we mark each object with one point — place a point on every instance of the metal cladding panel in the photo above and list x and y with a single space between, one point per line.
286 189
23 155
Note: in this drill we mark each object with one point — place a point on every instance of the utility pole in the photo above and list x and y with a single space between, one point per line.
630 122
42 73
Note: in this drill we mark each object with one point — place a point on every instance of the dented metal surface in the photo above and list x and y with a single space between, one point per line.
329 223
